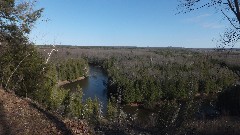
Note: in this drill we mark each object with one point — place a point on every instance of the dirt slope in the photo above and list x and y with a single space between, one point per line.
21 116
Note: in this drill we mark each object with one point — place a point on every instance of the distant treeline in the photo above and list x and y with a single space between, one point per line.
85 47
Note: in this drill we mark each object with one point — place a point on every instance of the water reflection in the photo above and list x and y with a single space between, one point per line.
96 86
93 86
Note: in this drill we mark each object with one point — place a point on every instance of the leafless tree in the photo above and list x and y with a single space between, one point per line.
228 8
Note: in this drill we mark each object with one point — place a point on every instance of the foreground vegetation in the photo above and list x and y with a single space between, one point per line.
26 73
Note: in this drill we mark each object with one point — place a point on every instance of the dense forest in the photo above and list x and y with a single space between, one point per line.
178 82
167 74
71 69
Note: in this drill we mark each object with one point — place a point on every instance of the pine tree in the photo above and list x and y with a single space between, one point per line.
21 65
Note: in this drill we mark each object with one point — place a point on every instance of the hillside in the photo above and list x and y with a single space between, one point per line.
22 116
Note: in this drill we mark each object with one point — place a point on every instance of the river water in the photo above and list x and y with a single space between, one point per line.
95 85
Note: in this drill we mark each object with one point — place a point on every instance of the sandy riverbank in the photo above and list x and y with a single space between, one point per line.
60 83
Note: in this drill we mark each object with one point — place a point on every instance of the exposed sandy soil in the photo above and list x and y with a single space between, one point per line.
60 83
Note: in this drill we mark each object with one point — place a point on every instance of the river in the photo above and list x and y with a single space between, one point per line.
95 85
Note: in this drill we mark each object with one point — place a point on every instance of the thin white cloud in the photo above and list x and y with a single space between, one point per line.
197 19
204 21
212 25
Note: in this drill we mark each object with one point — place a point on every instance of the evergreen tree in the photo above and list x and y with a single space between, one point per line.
21 67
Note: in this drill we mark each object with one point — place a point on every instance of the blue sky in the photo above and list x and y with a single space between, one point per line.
125 23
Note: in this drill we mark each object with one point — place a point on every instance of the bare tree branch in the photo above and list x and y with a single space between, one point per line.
237 10
16 69
230 20
231 7
230 10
